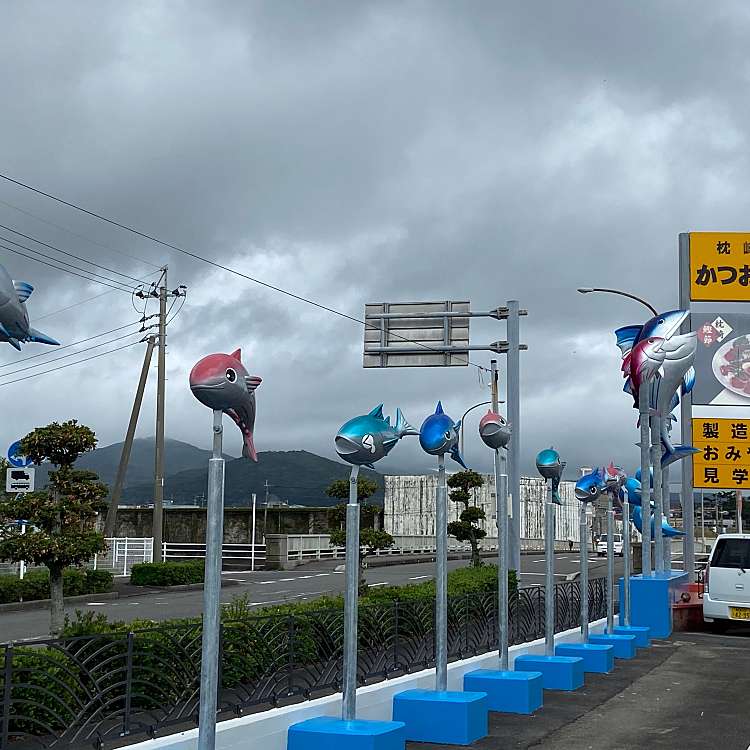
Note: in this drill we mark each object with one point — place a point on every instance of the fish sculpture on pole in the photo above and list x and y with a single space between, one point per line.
439 435
14 317
220 381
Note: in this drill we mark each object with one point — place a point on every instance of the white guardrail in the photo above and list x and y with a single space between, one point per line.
237 557
317 546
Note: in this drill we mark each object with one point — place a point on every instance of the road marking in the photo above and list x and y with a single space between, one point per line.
96 604
322 575
538 561
133 604
382 583
417 578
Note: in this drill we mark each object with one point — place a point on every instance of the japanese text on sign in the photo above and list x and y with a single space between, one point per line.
720 266
723 460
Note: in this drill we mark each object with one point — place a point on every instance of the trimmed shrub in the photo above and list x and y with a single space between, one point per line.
35 585
167 573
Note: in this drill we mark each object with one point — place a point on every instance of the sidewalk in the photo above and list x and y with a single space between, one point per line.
687 693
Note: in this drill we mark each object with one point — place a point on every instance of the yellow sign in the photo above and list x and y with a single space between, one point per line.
723 460
720 266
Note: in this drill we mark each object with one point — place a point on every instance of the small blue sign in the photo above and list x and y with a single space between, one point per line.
15 456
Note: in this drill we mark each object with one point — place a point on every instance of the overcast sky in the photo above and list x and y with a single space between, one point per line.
358 152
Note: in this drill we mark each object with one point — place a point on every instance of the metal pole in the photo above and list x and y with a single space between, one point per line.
645 481
703 525
514 449
252 542
111 519
658 510
610 564
501 509
160 390
686 422
441 580
626 562
22 564
666 502
351 601
583 530
211 592
738 497
549 579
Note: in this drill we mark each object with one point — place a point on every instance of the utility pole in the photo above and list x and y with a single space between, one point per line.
158 532
265 516
110 522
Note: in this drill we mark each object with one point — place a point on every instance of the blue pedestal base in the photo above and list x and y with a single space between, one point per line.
596 657
558 672
444 718
328 733
508 692
651 600
642 634
623 645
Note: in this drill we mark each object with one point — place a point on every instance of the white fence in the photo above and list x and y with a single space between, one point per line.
122 553
238 557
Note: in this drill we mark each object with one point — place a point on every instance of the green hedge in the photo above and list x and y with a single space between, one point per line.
167 573
35 585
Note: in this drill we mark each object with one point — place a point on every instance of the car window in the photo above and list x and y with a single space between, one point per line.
732 553
603 538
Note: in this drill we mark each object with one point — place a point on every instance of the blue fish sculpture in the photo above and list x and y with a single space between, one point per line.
550 466
368 438
591 487
438 435
632 490
666 529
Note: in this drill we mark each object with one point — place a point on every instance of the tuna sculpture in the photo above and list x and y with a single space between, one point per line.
14 318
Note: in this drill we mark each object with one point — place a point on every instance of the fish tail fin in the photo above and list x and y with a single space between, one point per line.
402 425
677 453
14 343
556 499
457 457
248 447
688 381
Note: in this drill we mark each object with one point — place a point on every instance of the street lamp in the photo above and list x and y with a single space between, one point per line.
463 419
588 290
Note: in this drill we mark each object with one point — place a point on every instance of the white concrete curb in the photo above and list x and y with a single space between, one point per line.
269 728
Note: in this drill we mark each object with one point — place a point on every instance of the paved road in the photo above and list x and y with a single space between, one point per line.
267 587
688 693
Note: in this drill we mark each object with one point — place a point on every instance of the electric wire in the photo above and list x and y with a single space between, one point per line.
70 307
59 268
221 266
72 354
76 234
74 343
72 255
71 364
66 262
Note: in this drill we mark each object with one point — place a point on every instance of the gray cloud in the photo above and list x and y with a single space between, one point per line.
366 152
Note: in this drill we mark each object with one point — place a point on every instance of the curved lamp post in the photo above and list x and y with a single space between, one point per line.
463 419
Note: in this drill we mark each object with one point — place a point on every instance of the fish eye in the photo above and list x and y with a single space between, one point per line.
593 490
661 320
448 435
231 375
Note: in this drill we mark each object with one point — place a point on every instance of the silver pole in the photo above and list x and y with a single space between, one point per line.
658 510
583 527
22 564
252 542
610 564
501 509
549 579
351 601
645 481
666 503
626 562
211 592
703 525
441 580
686 422
514 449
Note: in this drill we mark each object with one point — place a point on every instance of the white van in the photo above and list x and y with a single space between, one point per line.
726 585
601 545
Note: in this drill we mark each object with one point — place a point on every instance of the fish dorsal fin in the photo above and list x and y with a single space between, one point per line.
377 412
688 381
626 337
402 425
237 354
252 382
439 408
23 290
388 421
457 425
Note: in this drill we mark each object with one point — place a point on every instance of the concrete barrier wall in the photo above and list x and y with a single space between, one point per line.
268 730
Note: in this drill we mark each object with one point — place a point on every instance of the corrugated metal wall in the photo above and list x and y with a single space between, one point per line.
410 507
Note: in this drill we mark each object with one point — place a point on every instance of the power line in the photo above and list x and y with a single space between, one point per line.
72 255
70 307
71 364
67 263
214 263
59 268
72 354
67 346
76 234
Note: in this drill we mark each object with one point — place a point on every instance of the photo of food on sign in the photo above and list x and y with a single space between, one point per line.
722 362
